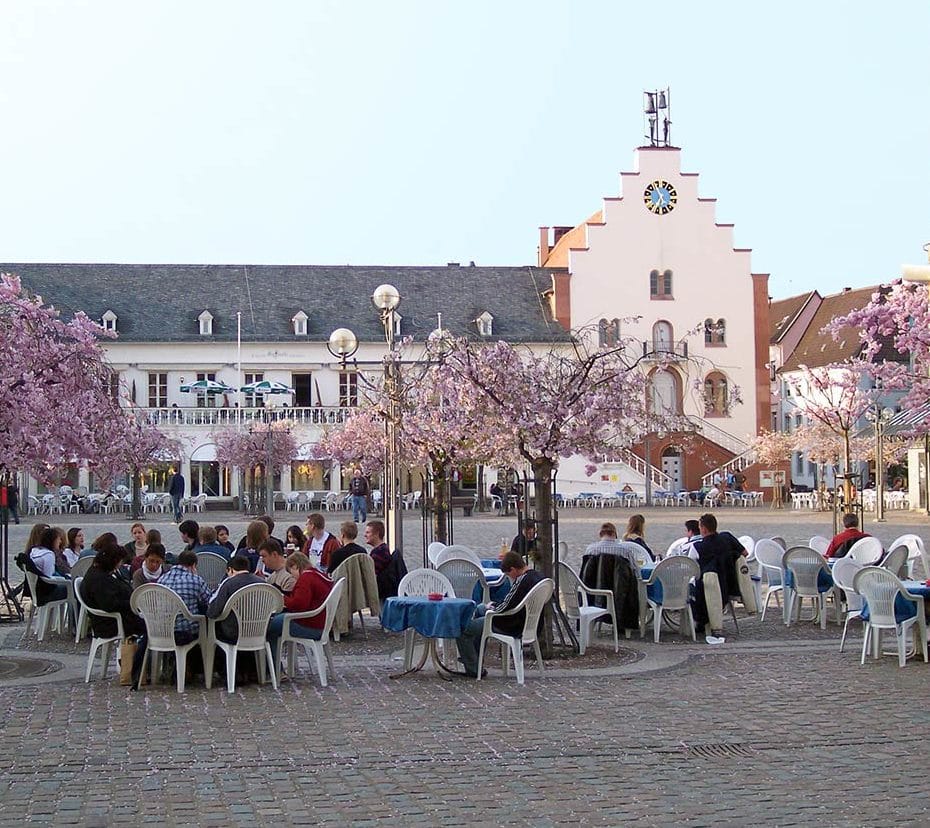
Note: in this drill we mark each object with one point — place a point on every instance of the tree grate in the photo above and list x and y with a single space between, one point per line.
719 751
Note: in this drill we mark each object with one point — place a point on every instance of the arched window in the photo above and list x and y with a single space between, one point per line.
664 394
715 333
660 284
716 402
662 337
608 333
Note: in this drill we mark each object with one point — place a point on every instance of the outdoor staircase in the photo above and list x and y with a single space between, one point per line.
658 478
738 463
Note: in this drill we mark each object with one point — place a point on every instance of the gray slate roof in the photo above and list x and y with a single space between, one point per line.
161 302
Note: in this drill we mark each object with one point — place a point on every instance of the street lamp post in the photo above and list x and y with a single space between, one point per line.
879 419
343 344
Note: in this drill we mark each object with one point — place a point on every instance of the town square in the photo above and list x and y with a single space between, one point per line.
434 414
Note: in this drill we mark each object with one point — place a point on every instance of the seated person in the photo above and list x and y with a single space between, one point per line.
153 566
319 541
103 590
718 553
311 589
523 580
222 538
525 543
842 543
209 543
256 534
713 494
635 533
609 545
374 537
689 547
189 531
237 576
193 591
275 572
348 532
42 561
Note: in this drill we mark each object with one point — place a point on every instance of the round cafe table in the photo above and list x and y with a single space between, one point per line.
447 618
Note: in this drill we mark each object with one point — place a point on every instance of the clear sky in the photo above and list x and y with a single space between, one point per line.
393 132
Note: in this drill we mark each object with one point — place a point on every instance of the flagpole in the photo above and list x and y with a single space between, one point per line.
239 370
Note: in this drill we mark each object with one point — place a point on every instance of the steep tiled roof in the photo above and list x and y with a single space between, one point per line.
161 303
817 349
558 256
783 312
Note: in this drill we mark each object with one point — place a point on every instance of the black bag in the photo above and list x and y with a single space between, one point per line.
389 578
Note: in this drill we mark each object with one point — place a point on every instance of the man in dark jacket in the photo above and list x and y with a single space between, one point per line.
718 552
348 532
237 576
358 489
523 580
176 490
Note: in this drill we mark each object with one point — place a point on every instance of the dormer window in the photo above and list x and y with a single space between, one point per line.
109 321
485 324
206 323
300 323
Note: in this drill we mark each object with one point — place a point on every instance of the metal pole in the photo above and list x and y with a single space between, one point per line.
647 470
269 473
879 468
391 484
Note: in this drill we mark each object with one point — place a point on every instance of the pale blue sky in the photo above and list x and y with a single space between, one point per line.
427 132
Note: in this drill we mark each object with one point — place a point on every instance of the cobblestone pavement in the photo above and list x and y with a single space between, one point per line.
774 727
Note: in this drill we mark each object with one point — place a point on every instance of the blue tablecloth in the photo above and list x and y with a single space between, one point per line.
653 591
903 609
432 619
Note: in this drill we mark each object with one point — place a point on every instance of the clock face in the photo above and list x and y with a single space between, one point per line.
660 197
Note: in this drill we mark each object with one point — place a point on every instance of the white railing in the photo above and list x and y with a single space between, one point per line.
717 435
314 415
658 478
738 463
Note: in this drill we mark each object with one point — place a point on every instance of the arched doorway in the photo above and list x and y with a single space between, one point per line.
673 466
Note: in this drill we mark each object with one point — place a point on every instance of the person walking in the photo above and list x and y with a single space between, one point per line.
176 490
358 488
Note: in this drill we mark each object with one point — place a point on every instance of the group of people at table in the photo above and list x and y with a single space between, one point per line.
298 567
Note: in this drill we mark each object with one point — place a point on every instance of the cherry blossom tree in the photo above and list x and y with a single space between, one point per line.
57 404
894 329
359 441
834 403
268 446
555 404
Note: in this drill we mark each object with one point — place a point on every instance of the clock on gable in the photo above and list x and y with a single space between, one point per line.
660 197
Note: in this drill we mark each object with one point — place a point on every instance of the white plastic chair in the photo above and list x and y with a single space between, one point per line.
866 551
805 566
463 574
331 501
159 607
880 589
533 604
49 611
421 582
457 552
780 541
79 570
253 606
895 560
212 568
915 552
575 595
97 643
819 544
290 501
320 649
198 503
433 550
675 575
769 556
844 575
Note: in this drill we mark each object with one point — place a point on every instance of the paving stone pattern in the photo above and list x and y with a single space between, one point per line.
775 727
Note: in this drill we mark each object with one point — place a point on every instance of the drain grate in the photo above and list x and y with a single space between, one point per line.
719 751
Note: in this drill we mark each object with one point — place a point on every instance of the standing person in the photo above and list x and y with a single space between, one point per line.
319 541
176 490
12 499
635 533
522 579
358 488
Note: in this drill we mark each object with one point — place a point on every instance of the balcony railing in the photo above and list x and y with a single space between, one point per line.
312 415
665 350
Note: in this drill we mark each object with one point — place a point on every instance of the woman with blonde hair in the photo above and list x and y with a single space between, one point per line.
256 533
635 532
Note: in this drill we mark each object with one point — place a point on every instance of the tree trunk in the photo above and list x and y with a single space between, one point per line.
482 496
847 481
136 494
542 483
441 504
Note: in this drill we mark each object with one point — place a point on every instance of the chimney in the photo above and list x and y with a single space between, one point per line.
544 248
557 233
